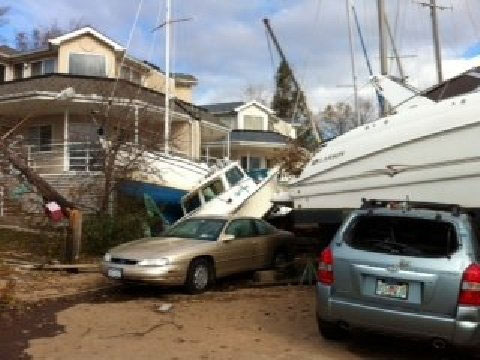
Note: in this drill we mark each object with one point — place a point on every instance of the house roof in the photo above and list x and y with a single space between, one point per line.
219 108
257 104
258 136
87 30
7 50
177 76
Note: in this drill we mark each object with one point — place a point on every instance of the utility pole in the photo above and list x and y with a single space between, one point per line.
352 57
436 38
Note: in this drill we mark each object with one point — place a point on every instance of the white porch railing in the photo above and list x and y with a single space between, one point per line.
58 158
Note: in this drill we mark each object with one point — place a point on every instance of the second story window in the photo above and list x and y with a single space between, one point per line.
40 137
130 74
88 65
251 122
18 71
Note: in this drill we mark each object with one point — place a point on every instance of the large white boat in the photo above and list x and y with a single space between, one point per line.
427 152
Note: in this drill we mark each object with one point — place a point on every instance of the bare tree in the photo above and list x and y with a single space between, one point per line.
3 12
339 118
38 37
257 92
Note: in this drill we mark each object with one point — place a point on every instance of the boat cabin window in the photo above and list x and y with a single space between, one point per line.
234 176
213 189
192 202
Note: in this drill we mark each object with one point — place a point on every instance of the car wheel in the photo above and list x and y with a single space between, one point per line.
199 276
331 331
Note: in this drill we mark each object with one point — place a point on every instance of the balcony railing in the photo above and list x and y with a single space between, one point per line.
58 158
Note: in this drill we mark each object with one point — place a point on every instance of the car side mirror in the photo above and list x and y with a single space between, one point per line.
226 238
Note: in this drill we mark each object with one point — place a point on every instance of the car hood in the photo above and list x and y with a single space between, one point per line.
151 248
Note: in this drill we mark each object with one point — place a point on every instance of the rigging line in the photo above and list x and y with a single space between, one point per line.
393 35
130 36
302 78
456 38
472 21
149 56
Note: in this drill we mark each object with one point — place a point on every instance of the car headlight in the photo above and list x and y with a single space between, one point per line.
153 262
107 257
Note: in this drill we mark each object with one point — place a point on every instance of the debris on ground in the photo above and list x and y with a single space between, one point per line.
163 308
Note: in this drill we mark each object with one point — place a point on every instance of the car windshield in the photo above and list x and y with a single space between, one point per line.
201 229
403 236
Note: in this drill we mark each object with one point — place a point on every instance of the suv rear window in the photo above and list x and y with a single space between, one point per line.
403 236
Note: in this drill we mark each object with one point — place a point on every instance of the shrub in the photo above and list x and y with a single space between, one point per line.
101 232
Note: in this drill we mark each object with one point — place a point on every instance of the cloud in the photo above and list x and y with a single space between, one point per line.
226 48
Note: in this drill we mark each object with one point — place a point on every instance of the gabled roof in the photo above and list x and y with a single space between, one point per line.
257 104
220 108
7 50
87 30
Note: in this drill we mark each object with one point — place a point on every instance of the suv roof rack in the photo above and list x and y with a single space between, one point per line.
408 205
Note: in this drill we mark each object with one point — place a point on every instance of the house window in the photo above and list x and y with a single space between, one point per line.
88 65
37 68
40 137
125 73
43 67
255 163
18 71
251 122
136 78
49 66
244 162
2 73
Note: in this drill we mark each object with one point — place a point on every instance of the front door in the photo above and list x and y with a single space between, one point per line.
237 254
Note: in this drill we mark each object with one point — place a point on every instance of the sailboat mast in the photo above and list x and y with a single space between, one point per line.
167 75
436 40
383 46
352 56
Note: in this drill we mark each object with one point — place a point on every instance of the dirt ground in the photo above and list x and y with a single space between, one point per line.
230 322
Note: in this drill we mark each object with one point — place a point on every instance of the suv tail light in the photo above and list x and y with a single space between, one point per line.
325 267
470 290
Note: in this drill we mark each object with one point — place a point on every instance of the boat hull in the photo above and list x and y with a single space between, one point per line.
436 161
166 198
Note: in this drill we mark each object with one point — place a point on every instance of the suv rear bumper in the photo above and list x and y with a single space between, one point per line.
462 331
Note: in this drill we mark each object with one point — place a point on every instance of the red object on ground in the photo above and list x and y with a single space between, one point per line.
54 211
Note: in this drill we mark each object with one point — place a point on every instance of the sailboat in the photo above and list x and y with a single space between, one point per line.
183 187
163 176
425 150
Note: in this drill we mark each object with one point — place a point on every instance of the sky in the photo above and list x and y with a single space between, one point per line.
225 45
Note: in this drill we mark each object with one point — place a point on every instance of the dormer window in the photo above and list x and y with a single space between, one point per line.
88 65
251 122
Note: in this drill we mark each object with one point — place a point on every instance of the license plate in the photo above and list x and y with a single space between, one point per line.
391 289
114 273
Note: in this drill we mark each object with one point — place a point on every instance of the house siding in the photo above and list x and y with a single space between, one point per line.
86 44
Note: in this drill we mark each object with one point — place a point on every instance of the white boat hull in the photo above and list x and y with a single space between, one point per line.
430 154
